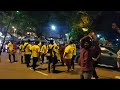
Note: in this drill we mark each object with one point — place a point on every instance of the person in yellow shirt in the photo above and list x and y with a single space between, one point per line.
27 52
43 51
50 55
35 49
11 51
56 53
68 54
40 44
74 55
21 47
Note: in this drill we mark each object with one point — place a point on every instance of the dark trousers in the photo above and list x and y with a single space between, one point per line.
13 57
72 62
42 56
68 64
27 59
35 59
21 59
86 74
62 61
51 60
94 69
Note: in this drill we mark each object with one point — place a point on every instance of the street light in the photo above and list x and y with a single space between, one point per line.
117 39
53 27
0 34
13 27
98 35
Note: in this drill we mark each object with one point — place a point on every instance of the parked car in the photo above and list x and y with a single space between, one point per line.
108 57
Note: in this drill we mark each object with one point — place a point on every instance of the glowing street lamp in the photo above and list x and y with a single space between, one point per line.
98 35
117 39
0 34
13 27
53 27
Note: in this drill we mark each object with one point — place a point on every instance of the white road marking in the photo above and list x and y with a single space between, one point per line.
105 65
40 72
117 77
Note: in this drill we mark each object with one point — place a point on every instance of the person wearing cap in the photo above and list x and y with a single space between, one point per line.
27 50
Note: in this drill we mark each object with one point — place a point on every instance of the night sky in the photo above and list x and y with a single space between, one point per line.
104 20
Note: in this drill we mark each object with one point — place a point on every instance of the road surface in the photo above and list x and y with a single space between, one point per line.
17 70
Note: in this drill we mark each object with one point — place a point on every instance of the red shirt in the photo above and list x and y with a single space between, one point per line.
86 60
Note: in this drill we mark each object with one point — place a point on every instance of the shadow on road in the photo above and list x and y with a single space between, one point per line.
41 69
75 72
58 71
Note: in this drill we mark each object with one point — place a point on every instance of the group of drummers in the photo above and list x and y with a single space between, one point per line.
64 53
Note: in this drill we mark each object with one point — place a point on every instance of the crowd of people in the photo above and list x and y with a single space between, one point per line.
65 54
90 53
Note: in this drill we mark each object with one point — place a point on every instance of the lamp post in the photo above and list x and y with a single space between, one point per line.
53 27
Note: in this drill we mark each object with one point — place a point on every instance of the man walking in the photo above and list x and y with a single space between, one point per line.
68 54
21 47
27 50
43 51
85 60
11 51
35 49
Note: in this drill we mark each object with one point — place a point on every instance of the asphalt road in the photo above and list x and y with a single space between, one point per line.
17 70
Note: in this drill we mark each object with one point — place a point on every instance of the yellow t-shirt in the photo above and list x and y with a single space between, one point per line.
57 50
35 50
27 49
74 47
69 49
21 47
118 54
10 47
39 44
49 47
43 49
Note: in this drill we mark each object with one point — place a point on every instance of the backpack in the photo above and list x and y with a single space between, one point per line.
50 50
